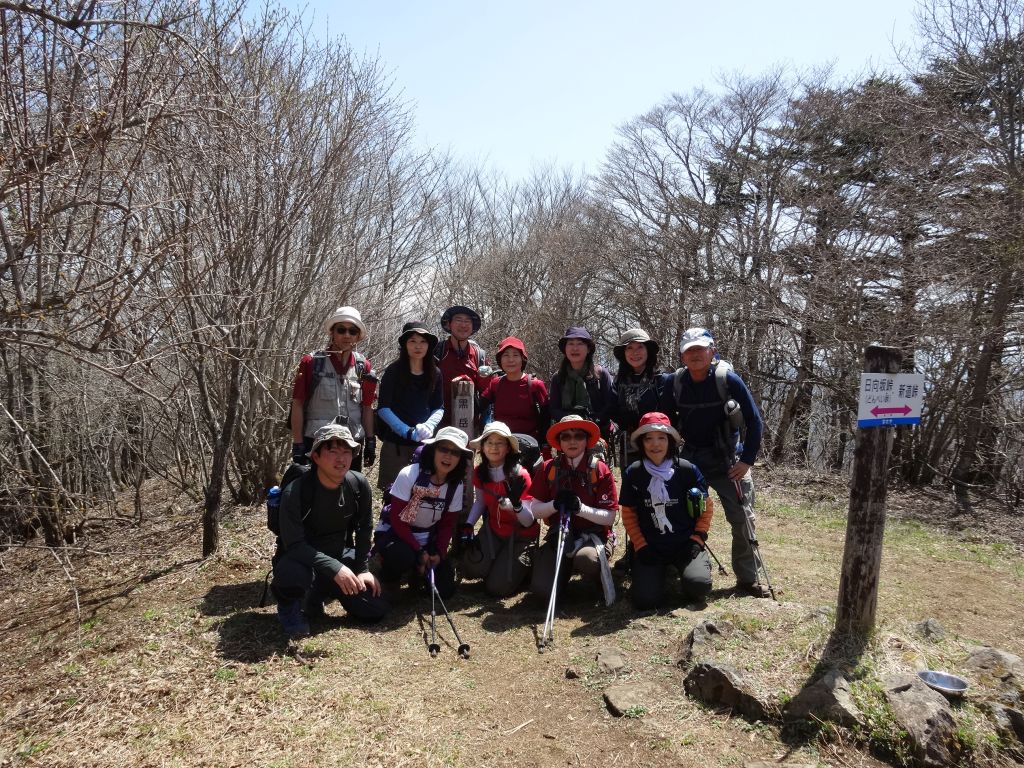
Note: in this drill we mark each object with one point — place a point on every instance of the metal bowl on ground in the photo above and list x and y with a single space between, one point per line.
949 685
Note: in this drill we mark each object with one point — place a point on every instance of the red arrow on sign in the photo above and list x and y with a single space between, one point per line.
876 411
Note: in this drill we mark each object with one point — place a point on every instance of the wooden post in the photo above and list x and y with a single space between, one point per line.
865 526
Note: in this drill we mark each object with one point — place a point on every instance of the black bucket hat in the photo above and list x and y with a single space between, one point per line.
416 327
458 309
576 332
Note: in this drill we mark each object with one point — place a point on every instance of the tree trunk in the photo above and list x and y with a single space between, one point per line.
974 411
215 488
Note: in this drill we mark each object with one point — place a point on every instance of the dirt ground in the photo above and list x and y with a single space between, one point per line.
130 650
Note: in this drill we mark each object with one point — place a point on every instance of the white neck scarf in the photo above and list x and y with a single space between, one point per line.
660 474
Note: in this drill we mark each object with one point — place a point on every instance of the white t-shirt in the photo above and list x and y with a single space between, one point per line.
425 503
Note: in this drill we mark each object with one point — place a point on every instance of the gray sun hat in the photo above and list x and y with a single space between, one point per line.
333 432
628 337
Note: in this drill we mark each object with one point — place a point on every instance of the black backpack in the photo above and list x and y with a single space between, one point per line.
302 473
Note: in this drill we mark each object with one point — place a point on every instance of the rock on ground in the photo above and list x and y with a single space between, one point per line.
639 697
828 698
610 660
926 717
719 685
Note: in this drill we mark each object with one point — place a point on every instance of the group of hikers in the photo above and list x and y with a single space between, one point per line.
540 503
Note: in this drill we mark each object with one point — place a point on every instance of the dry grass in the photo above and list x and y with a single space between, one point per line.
172 662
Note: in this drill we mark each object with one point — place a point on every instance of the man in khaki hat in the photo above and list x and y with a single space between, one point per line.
336 384
320 512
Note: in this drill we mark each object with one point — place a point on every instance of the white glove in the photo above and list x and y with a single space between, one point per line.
422 432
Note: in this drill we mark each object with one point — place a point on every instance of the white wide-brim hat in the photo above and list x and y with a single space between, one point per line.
497 428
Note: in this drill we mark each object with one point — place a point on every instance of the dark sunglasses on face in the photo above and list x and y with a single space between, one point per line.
446 450
572 434
346 330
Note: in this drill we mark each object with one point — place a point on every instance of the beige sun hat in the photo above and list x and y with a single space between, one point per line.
330 432
453 435
497 428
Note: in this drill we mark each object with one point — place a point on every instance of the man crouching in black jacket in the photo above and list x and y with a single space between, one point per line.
319 512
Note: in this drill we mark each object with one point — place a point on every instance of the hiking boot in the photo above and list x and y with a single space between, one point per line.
752 590
294 624
314 609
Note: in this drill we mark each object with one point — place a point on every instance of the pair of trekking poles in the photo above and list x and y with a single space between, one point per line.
434 647
547 634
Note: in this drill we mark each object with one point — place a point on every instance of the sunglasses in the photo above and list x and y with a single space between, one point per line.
346 330
447 451
573 434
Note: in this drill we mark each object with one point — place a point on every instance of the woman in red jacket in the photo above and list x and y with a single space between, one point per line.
502 554
519 399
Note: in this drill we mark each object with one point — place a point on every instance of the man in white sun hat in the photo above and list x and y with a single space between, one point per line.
702 392
336 385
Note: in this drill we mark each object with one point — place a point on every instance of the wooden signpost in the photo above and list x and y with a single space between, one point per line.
865 528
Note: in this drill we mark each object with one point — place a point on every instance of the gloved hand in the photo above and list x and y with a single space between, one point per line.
646 555
568 501
467 535
516 485
695 549
369 451
299 453
421 432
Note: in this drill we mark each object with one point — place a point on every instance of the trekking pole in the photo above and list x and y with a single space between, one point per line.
463 647
548 633
721 568
748 518
433 647
734 417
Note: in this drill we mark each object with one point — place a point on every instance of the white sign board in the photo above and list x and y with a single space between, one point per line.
887 399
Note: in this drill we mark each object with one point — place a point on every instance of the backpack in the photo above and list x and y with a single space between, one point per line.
722 369
441 350
303 474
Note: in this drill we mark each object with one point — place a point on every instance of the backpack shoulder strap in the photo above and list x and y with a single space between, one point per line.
360 362
479 352
677 383
722 369
319 365
306 488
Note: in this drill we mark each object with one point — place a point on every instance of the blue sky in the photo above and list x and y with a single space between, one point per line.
524 84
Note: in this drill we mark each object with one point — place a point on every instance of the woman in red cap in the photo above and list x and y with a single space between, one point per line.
666 513
519 399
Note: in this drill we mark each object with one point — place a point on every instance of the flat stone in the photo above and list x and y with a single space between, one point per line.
1009 722
926 717
828 698
633 695
610 660
719 685
699 643
930 629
